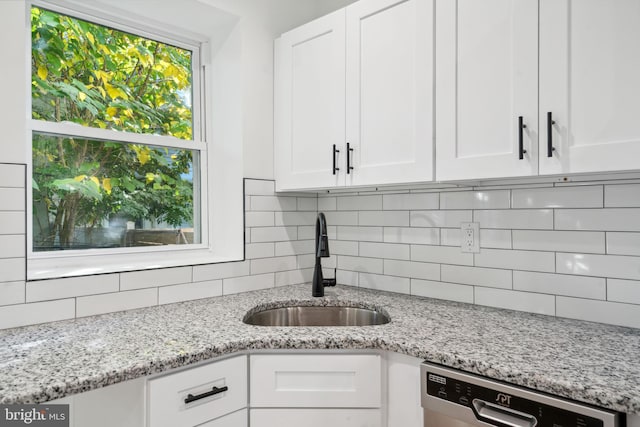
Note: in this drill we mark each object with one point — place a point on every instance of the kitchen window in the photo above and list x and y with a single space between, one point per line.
118 158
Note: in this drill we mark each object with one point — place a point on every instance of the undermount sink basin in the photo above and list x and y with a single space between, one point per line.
317 316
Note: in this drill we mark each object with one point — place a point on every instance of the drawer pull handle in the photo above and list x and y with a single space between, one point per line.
521 128
215 390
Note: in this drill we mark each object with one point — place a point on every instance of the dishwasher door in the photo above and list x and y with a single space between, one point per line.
452 398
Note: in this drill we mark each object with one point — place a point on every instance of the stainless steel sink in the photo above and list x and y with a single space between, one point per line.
317 316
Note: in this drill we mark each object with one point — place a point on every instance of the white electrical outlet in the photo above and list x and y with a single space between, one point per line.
470 237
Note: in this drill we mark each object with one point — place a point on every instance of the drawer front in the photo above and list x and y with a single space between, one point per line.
167 394
316 417
329 381
237 419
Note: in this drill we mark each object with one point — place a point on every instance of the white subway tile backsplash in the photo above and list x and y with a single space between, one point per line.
440 254
259 219
439 218
12 246
118 301
412 269
308 204
560 284
558 197
309 260
296 247
515 300
237 285
410 202
627 291
307 232
259 187
516 260
343 247
327 204
530 219
623 243
599 311
273 234
347 277
12 175
622 196
42 290
359 203
12 316
385 250
366 234
341 218
366 265
271 265
12 270
495 238
294 277
295 218
400 285
259 250
154 278
496 199
12 222
559 241
12 293
384 218
220 271
614 266
13 199
598 219
423 236
440 290
489 277
273 203
189 291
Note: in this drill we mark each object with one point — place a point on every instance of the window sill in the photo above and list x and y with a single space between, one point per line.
40 268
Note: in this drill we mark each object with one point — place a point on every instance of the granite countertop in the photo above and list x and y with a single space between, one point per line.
588 362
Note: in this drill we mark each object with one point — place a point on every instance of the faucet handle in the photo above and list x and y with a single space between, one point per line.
329 282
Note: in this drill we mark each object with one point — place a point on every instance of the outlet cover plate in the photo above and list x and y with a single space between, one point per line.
470 237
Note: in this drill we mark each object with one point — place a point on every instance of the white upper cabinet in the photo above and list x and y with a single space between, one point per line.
486 83
590 83
360 79
309 104
389 91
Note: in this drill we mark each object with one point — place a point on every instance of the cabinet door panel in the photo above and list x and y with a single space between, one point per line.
390 91
486 77
310 103
589 68
315 417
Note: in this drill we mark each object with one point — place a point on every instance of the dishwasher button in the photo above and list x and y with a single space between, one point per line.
442 394
464 401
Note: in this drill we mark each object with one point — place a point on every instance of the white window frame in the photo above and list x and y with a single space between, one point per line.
44 265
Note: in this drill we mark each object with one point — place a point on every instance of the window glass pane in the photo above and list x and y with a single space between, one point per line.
100 77
98 194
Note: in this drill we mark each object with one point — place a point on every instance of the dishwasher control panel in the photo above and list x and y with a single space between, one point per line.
500 404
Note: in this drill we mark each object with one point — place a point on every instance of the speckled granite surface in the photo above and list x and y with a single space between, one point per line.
589 362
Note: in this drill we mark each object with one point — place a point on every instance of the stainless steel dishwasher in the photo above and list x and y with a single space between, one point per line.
453 398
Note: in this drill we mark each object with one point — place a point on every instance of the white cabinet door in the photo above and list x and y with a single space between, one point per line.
486 78
237 419
590 83
309 104
328 381
389 87
315 418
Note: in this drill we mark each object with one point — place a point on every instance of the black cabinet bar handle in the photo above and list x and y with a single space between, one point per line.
215 390
335 153
521 127
550 123
349 151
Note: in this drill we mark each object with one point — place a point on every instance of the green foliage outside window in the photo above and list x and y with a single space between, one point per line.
99 77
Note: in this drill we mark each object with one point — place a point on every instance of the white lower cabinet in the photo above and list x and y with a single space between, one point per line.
237 419
198 395
316 389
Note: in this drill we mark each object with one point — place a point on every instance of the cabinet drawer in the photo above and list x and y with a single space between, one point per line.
167 394
316 417
329 381
237 419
